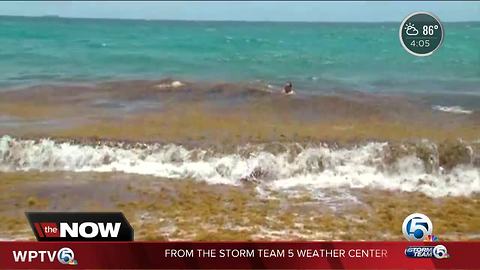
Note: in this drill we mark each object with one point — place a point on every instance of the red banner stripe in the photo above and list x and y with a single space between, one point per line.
39 230
213 255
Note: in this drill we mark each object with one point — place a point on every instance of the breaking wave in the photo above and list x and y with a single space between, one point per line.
452 109
434 170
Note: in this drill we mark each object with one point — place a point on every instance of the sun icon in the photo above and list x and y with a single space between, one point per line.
409 25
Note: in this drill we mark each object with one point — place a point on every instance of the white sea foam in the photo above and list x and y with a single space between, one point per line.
452 109
314 167
174 84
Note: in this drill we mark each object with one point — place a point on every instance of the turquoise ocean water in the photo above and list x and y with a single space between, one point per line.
316 56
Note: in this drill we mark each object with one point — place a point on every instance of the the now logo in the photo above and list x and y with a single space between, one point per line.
89 229
86 229
80 226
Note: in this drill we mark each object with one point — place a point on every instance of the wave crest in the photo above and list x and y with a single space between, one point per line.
435 170
452 109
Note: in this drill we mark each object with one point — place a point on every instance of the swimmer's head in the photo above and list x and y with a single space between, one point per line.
288 87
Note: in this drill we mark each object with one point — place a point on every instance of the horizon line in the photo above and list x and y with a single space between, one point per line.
53 16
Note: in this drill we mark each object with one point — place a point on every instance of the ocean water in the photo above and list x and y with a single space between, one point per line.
317 57
320 58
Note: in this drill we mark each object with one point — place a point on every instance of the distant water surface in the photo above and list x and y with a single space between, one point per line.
318 57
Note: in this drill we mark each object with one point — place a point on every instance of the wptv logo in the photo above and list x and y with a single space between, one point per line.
64 256
418 227
80 226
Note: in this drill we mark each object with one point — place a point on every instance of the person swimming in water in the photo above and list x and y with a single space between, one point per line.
288 88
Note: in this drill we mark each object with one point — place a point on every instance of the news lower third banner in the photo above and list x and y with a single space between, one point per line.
239 255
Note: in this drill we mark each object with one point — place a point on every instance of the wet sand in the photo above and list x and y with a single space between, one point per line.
162 209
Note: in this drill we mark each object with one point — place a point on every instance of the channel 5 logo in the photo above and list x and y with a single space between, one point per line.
417 227
66 256
437 252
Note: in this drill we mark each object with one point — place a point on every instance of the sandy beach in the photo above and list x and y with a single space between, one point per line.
165 209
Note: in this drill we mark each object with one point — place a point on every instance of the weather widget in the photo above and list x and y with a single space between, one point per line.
421 33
